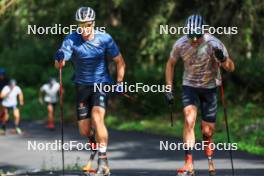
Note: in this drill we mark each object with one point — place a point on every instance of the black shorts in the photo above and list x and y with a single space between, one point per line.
52 104
206 98
87 98
10 108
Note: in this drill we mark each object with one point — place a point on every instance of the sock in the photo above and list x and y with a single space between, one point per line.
210 158
102 149
102 153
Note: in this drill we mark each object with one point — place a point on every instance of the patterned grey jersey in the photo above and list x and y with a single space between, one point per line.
200 65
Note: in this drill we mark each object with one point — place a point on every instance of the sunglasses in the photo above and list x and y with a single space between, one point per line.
192 36
86 24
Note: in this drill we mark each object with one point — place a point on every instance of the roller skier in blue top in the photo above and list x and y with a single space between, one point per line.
89 51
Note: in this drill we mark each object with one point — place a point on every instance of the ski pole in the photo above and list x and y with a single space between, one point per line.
61 115
222 93
227 127
171 115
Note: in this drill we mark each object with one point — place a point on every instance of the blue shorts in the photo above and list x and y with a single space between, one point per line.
205 98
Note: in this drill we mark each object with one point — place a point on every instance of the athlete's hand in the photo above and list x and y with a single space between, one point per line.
219 55
119 87
59 55
21 103
169 97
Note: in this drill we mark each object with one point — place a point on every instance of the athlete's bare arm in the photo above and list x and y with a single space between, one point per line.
169 72
228 65
2 95
21 98
120 67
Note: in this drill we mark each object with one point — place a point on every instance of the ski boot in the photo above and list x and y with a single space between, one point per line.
211 170
50 126
183 172
187 170
103 167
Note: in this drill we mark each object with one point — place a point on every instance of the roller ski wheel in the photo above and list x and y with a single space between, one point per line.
183 172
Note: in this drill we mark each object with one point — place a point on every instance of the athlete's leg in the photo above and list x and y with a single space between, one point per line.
84 127
2 113
16 113
190 101
208 131
5 118
190 113
83 109
208 110
84 105
50 116
99 104
98 114
84 122
86 130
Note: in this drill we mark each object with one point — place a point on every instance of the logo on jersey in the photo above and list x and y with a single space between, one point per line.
102 102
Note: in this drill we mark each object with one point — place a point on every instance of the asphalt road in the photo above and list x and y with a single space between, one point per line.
130 154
